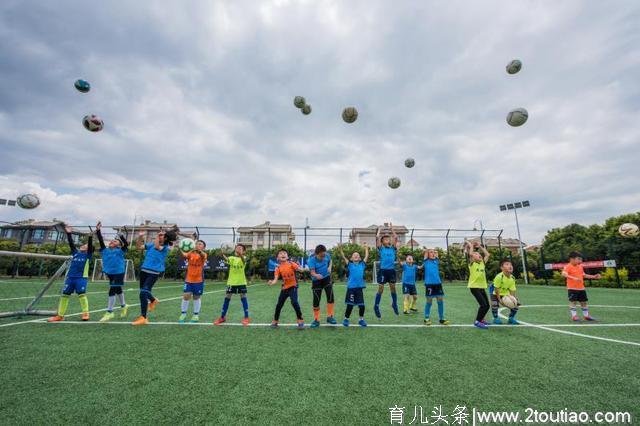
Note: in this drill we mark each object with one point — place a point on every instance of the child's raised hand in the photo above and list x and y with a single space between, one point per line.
68 229
98 226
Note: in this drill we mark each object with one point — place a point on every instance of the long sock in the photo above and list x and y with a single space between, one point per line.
427 309
573 311
185 306
394 299
440 309
406 304
330 311
225 307
112 302
347 312
413 303
585 312
316 314
197 304
121 298
361 311
378 297
144 303
84 303
62 306
513 313
245 306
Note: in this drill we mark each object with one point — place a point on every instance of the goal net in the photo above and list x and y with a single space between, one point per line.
30 283
99 275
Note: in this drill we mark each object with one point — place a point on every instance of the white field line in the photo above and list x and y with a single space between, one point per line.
89 292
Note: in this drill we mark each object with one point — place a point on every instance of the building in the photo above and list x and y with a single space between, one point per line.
150 230
511 244
368 234
265 235
38 232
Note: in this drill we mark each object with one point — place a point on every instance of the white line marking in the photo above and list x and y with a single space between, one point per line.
105 291
591 306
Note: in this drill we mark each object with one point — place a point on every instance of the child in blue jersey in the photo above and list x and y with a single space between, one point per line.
387 255
77 277
152 266
433 286
355 284
410 295
113 266
320 268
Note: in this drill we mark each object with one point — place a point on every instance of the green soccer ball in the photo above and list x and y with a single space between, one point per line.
299 101
394 182
306 110
187 244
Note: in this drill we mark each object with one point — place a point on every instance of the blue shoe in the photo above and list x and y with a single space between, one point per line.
362 323
315 324
395 309
376 310
480 325
345 322
497 320
513 321
331 320
274 325
301 325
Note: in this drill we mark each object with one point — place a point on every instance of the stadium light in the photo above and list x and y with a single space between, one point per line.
515 207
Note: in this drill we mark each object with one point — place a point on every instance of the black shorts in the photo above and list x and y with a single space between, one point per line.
116 279
578 295
434 290
409 289
321 284
386 276
236 289
354 296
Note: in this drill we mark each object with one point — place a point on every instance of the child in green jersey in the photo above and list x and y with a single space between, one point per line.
503 284
478 280
236 284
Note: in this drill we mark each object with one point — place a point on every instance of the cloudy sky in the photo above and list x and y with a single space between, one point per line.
200 127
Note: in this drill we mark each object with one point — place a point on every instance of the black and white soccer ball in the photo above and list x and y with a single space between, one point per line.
306 110
394 182
28 201
514 66
299 101
349 114
92 123
409 162
517 117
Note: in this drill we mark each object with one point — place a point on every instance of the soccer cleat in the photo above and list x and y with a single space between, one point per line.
497 320
427 321
300 324
445 322
140 321
362 323
195 319
589 318
219 321
376 310
413 310
315 324
480 325
575 318
107 317
182 318
152 304
123 311
56 318
85 316
405 312
345 322
245 321
274 324
331 320
513 321
484 322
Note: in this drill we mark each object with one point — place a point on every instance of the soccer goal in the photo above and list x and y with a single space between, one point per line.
99 276
27 296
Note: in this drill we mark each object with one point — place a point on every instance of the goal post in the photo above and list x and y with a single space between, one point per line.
98 274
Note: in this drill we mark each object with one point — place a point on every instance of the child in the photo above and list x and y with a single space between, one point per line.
152 267
113 266
236 284
287 270
193 281
503 284
478 280
320 269
433 286
387 253
355 284
409 272
574 273
77 277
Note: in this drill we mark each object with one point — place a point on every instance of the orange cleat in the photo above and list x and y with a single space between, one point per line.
219 321
140 321
56 318
152 305
85 316
246 321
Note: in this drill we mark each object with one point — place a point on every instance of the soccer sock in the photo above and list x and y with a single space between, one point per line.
330 311
440 309
121 298
347 312
513 313
62 306
378 297
245 306
225 307
361 311
185 306
406 304
414 303
573 311
585 312
197 303
316 314
427 309
112 302
84 303
394 299
144 303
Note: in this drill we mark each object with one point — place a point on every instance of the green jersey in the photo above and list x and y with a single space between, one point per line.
477 277
236 271
505 285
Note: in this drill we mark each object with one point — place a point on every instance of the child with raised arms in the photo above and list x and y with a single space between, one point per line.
236 284
113 266
478 280
355 284
433 286
193 281
388 255
410 295
320 269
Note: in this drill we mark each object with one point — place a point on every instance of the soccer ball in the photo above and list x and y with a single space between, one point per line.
299 101
82 86
514 66
187 244
409 162
394 182
92 123
517 117
349 114
28 201
306 110
628 230
509 301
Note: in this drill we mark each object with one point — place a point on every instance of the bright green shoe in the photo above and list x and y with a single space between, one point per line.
123 311
195 319
182 318
107 317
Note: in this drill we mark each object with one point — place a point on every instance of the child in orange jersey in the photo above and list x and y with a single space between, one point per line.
574 273
287 270
194 281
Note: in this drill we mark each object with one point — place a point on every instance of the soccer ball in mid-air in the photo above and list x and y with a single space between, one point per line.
187 244
509 301
409 162
92 123
299 101
82 86
28 201
517 117
514 66
394 182
628 230
349 114
306 110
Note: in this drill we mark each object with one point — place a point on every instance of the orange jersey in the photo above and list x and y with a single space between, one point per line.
195 267
575 271
287 271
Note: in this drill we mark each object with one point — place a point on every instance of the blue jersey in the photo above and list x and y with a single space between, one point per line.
432 272
113 260
79 267
154 259
387 257
356 275
321 266
409 274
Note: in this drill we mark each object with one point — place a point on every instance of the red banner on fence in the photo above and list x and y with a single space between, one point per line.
587 265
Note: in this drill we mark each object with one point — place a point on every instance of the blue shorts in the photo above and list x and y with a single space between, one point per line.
409 289
386 276
434 290
354 296
194 288
79 285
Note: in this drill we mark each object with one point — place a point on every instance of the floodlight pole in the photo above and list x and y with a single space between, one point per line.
524 264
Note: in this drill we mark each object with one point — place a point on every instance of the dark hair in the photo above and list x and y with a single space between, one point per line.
384 236
203 243
170 236
320 249
574 254
241 245
502 262
281 251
